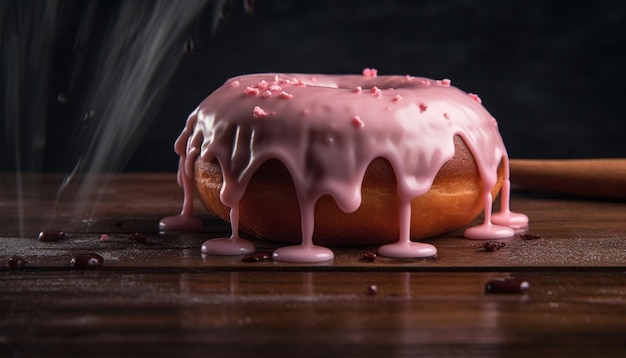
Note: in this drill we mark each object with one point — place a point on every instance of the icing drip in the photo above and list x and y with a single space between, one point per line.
405 248
326 134
233 245
185 220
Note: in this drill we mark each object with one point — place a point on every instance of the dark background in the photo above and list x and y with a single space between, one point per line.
551 72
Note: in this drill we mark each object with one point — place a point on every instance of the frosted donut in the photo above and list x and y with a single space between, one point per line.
335 160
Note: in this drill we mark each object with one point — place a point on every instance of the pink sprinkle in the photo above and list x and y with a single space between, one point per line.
275 88
299 83
370 72
397 98
251 91
445 82
376 91
285 95
357 122
267 93
313 79
425 82
262 85
235 84
475 97
446 115
423 107
409 77
357 89
104 237
259 112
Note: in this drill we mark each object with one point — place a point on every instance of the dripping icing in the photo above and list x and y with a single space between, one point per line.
415 138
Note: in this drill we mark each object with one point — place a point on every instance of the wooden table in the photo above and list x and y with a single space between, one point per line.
163 298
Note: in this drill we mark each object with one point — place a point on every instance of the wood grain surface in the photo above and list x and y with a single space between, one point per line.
163 298
600 178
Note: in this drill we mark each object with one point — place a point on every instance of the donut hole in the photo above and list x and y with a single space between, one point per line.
385 83
366 83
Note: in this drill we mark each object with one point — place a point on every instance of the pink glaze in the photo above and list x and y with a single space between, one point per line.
308 254
185 220
329 127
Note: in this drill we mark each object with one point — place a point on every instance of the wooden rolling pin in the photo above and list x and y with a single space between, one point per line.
599 178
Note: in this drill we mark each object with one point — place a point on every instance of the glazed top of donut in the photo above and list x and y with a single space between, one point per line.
327 129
